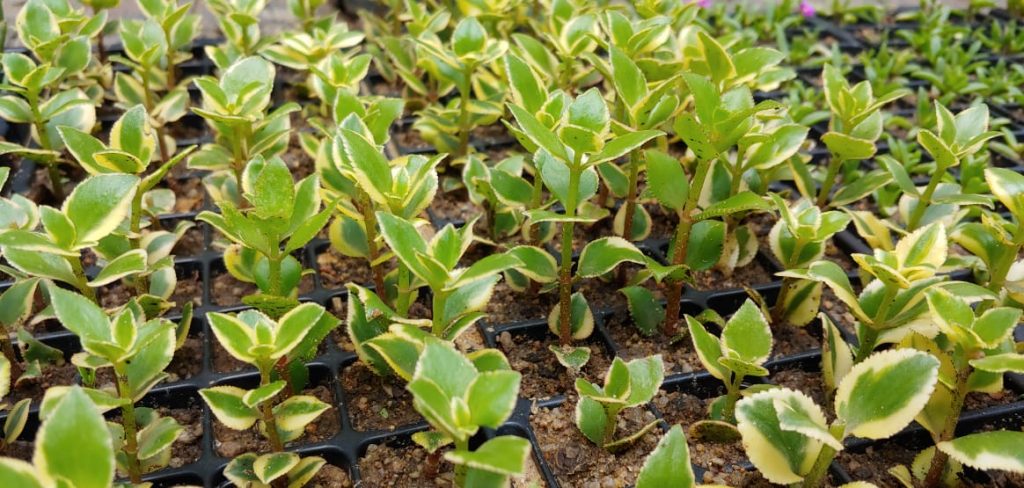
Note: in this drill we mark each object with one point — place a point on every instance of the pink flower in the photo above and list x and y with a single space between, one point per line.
704 3
806 9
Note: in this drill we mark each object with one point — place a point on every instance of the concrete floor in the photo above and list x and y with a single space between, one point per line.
276 17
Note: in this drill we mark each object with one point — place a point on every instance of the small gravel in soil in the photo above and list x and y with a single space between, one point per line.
454 205
576 461
225 290
330 476
376 403
753 274
52 375
190 244
543 375
336 270
510 306
678 357
230 443
723 462
408 467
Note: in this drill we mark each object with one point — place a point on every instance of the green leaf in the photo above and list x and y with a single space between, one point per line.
99 204
746 335
581 317
253 398
538 264
405 240
573 358
240 470
782 456
647 313
80 315
527 90
298 411
837 357
1000 363
15 472
603 255
538 133
237 337
16 302
468 37
492 397
645 377
130 263
132 134
666 180
486 268
882 394
848 148
270 467
999 450
227 404
40 265
293 327
798 413
1008 187
505 455
589 111
943 155
157 437
708 348
622 145
706 242
668 464
590 417
372 171
74 443
741 202
923 247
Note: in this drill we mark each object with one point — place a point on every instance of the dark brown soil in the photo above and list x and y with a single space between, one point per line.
810 383
407 466
190 244
409 139
788 340
543 375
330 476
376 403
188 360
230 443
225 290
224 362
838 311
723 462
603 293
872 465
300 164
509 306
188 448
189 192
189 288
575 461
336 270
52 375
840 257
678 357
753 274
978 400
453 205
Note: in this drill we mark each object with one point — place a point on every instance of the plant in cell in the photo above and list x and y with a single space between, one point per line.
798 239
500 189
571 137
855 127
153 48
17 414
308 49
380 346
73 445
335 82
396 55
143 252
465 62
669 463
459 293
741 351
626 385
91 213
975 349
279 217
305 11
563 38
458 396
785 433
37 95
270 346
234 105
900 275
137 350
959 137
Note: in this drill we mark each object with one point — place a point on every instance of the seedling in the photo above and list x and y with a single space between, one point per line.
741 351
458 397
997 241
368 320
855 127
788 439
138 351
501 190
256 339
626 385
669 463
73 445
234 107
464 63
976 350
281 217
797 240
239 21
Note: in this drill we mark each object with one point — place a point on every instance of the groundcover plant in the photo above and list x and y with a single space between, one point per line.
561 243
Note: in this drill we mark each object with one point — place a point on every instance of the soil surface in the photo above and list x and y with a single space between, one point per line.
753 274
723 462
509 306
410 466
336 270
679 357
453 206
331 476
376 403
543 375
230 443
576 461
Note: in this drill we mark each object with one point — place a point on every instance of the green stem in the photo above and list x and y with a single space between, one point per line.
267 412
83 282
869 339
404 298
131 445
439 301
611 415
370 222
834 165
141 285
818 471
926 199
732 395
52 167
565 272
682 241
275 274
461 470
634 176
464 126
940 458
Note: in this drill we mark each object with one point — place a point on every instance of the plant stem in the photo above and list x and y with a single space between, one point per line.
820 468
83 282
461 469
464 99
267 412
370 222
438 303
634 175
926 198
275 274
870 337
52 167
141 283
682 241
940 458
732 395
834 165
565 271
404 299
58 187
131 445
611 415
536 198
